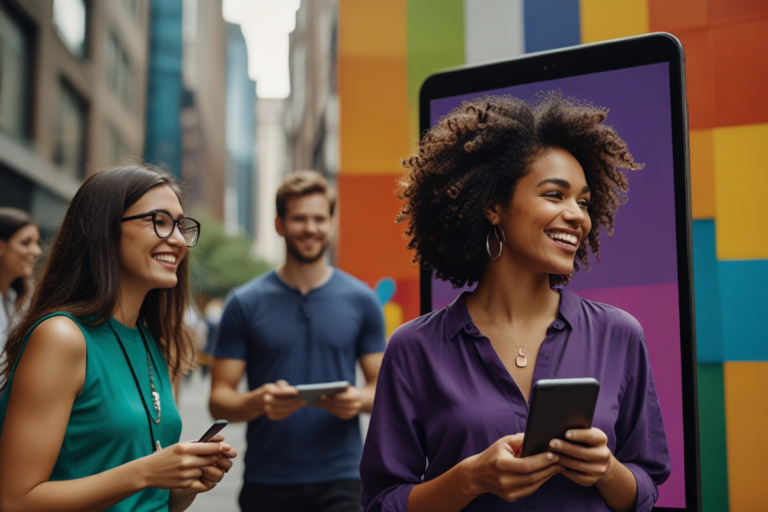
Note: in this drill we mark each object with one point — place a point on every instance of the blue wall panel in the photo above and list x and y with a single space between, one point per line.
708 344
551 24
743 285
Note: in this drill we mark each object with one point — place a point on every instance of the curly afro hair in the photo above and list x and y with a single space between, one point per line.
475 156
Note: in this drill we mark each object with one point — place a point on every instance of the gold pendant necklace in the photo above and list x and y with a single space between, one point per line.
521 361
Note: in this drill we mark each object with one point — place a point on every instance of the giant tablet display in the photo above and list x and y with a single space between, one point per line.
645 266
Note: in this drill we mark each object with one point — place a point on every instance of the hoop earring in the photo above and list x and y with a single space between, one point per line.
501 241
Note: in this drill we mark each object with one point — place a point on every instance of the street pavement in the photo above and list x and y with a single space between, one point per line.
193 406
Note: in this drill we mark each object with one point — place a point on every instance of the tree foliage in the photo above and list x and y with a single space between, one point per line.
220 262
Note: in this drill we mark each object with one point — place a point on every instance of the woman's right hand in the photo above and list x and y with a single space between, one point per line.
499 471
180 466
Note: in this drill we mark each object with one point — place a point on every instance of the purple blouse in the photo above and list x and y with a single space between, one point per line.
444 395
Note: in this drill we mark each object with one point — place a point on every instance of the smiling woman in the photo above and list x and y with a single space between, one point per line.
19 250
113 293
513 196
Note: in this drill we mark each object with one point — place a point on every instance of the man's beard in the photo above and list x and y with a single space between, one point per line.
296 253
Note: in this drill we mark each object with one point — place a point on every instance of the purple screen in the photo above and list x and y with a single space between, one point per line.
638 269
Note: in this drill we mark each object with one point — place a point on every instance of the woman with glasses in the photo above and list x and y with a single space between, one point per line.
88 420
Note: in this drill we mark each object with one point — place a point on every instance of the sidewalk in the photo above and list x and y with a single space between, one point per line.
193 407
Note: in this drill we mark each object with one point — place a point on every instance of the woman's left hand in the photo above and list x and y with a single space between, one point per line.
585 455
214 473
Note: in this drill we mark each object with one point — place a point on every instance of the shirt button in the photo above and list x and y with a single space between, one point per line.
558 324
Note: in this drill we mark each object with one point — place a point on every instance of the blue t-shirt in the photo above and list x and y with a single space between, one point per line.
302 339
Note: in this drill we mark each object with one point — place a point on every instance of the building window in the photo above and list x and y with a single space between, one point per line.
120 77
15 76
69 19
70 137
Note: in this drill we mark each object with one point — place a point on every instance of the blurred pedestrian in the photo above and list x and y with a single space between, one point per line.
212 312
304 323
19 250
90 362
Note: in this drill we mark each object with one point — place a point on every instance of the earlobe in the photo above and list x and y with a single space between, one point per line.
279 226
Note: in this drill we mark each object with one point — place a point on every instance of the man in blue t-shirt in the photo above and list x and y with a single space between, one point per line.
305 323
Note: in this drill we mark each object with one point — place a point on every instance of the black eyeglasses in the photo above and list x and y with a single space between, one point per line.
164 225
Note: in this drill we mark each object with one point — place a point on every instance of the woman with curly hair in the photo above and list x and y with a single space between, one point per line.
513 195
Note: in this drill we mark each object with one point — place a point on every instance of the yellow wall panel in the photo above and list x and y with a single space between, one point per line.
702 174
373 29
741 182
610 19
746 413
373 87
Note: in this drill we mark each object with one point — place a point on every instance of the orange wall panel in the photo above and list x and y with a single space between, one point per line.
370 244
675 15
740 72
746 413
729 8
373 86
702 174
699 77
373 107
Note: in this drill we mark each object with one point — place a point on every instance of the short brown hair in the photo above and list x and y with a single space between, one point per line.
475 156
303 183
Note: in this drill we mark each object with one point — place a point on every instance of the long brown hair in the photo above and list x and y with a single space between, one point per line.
82 274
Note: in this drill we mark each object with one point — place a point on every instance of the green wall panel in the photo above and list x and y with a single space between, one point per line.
714 459
435 42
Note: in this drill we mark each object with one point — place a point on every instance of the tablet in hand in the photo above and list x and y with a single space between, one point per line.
311 392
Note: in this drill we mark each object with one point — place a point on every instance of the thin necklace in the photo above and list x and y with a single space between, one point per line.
155 394
520 361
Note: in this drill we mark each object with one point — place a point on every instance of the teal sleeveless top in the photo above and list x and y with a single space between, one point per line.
108 425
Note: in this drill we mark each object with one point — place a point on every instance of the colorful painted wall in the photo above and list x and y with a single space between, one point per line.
388 47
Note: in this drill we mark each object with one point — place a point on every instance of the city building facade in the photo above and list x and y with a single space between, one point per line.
203 115
272 165
240 137
312 109
72 96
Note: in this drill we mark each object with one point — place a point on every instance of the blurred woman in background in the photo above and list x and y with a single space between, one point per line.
19 250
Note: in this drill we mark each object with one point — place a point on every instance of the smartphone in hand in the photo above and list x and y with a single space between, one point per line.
217 426
556 406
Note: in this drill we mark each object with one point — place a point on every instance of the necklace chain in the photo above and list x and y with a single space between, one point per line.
155 394
521 361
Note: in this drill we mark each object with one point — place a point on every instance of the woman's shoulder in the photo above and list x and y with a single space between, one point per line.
421 333
59 331
606 316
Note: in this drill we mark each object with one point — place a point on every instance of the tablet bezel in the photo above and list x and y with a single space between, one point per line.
595 58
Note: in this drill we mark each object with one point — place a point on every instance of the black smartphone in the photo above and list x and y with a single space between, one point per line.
556 406
217 426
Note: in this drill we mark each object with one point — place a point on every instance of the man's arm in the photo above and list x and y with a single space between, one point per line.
371 363
277 401
354 400
226 402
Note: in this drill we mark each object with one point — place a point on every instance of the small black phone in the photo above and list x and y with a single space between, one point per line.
217 426
556 406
